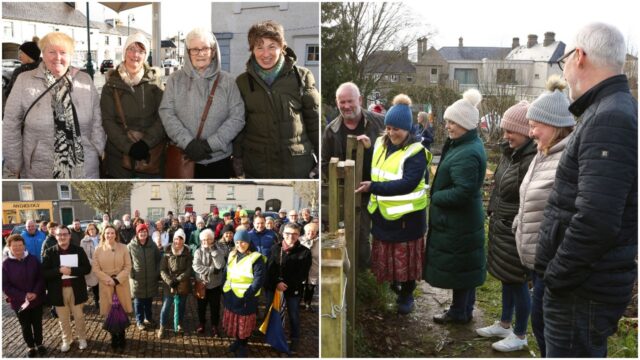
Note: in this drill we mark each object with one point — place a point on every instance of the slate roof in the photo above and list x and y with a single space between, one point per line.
550 53
452 53
167 44
46 12
389 62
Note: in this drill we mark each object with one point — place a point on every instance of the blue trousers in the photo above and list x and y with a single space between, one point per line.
578 327
462 304
516 297
293 310
537 319
142 308
178 310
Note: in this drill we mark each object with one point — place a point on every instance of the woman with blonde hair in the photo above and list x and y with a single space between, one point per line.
112 266
52 127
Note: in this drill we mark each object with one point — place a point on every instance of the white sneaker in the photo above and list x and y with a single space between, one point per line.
510 343
65 347
495 330
82 344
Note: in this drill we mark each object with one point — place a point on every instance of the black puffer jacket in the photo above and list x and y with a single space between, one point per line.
589 236
291 267
503 261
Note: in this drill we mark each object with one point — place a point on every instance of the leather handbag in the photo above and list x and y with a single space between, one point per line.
151 166
199 289
179 166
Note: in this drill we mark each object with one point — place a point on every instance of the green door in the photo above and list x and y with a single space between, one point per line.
67 216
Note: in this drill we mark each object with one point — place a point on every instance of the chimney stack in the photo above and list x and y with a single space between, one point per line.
405 52
533 40
460 44
515 43
549 38
422 47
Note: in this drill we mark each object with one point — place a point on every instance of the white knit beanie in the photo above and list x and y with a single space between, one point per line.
464 112
179 233
199 219
552 106
136 38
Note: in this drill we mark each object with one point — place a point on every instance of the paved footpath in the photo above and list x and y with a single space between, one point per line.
145 344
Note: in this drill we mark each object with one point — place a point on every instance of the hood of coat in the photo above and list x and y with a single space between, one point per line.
115 80
211 71
26 253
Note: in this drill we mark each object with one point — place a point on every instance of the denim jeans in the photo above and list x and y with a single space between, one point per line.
516 296
537 320
178 310
293 310
462 304
143 309
578 327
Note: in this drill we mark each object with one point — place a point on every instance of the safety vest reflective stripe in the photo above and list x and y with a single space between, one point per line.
240 274
385 175
401 209
410 196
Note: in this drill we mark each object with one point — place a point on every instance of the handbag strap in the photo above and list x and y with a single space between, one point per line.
116 99
24 117
206 107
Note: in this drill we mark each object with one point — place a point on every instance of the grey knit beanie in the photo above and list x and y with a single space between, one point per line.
464 112
552 106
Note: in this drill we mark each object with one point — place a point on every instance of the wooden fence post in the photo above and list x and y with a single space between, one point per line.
350 241
333 320
334 205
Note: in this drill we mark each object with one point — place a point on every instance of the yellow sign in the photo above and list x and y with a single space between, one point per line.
26 205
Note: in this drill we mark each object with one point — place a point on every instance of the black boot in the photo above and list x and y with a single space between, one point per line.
114 340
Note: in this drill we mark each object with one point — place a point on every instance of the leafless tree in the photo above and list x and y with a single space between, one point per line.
177 196
104 196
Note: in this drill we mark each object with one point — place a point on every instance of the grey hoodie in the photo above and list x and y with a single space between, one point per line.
184 100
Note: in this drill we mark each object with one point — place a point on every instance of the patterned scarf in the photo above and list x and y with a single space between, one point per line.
68 160
268 76
130 79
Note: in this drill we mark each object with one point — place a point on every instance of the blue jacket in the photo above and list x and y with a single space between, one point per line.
34 243
589 235
263 241
413 225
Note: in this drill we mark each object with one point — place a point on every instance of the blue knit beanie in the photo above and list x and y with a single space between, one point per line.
241 235
399 115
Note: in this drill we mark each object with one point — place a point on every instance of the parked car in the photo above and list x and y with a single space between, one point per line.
6 229
170 63
105 66
18 229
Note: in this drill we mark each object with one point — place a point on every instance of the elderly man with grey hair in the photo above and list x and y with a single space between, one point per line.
366 126
588 242
184 103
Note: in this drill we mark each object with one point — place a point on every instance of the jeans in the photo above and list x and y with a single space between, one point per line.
178 310
212 299
537 320
293 310
516 296
142 308
462 304
31 324
578 327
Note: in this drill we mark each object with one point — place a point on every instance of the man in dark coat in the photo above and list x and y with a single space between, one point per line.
64 267
367 126
29 56
589 236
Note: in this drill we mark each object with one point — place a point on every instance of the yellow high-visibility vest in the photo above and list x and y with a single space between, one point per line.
391 168
240 274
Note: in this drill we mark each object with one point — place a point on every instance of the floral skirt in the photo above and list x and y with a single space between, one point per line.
400 261
238 326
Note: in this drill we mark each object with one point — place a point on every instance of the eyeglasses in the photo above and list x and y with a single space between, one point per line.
134 50
563 59
196 51
290 234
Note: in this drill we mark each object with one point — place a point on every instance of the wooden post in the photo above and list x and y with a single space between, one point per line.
350 242
334 205
333 320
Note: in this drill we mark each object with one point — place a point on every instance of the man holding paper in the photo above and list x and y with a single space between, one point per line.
64 267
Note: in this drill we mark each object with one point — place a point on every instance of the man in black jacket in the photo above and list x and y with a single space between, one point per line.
64 267
367 126
589 235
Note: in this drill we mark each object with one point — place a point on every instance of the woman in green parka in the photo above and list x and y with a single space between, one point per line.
455 241
280 137
140 92
145 272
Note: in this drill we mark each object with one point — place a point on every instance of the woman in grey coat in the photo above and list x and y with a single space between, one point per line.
145 272
52 127
208 264
184 102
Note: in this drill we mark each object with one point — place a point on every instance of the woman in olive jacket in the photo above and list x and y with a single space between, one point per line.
140 92
455 240
280 138
145 260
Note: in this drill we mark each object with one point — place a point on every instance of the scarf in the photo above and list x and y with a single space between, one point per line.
130 79
68 160
268 76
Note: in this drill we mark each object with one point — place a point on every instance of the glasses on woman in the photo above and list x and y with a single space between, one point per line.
196 51
134 50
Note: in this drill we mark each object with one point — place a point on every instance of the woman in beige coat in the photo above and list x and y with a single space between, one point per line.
112 265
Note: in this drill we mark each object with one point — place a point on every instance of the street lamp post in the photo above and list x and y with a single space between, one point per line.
178 46
130 18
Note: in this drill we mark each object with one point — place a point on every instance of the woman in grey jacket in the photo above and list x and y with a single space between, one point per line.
208 264
52 127
184 102
551 126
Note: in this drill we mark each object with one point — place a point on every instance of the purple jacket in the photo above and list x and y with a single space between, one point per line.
20 277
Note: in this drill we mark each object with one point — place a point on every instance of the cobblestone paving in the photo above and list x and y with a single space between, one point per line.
145 344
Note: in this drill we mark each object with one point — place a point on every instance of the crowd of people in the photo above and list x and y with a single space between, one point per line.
225 126
231 260
562 216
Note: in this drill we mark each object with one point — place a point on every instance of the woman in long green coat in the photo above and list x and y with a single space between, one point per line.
455 241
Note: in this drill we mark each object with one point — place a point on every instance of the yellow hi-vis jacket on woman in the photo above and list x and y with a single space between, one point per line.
240 274
391 168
